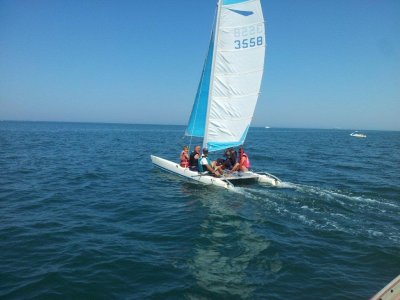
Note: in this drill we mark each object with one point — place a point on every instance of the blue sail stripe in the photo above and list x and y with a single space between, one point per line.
229 2
215 146
245 13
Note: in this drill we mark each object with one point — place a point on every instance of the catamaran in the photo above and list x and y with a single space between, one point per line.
228 90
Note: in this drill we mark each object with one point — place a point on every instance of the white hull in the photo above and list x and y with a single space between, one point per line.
224 182
358 135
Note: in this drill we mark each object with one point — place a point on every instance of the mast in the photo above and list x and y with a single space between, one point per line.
216 34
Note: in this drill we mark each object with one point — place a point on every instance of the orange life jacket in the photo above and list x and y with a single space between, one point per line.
184 160
246 162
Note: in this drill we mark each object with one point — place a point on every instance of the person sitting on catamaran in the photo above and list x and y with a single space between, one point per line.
244 162
194 157
230 160
185 157
205 164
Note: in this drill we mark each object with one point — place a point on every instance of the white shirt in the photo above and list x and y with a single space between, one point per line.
204 161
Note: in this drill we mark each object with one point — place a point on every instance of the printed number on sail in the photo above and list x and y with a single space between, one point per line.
246 43
248 30
241 33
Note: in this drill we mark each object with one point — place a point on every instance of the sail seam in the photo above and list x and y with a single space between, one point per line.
243 49
250 24
235 96
239 74
232 118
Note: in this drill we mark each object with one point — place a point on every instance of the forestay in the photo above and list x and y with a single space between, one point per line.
231 78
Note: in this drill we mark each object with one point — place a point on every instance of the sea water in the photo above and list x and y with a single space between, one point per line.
85 215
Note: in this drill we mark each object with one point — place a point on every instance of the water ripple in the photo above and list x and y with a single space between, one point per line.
85 215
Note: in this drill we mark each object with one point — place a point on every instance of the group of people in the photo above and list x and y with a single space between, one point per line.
231 162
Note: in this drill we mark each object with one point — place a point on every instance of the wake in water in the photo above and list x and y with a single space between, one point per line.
334 195
329 210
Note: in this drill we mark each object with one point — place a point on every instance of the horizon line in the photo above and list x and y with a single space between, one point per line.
159 124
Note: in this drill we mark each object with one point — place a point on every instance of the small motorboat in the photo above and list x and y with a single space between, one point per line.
358 135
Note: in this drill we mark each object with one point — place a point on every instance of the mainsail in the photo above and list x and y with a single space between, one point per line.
231 78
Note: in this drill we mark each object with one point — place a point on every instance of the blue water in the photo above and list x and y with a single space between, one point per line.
84 215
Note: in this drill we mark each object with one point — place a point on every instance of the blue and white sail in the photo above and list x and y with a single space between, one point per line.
231 78
197 121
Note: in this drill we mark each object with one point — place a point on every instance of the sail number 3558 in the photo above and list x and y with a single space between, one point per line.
248 43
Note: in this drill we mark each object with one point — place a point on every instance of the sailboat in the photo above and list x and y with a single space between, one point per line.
229 88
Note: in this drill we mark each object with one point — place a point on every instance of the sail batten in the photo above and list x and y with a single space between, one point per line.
232 74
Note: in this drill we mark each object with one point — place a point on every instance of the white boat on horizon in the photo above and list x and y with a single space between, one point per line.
358 135
228 90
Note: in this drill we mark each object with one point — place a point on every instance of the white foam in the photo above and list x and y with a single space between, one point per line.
375 233
286 185
334 195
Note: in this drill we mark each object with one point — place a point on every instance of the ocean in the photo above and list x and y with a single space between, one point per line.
85 215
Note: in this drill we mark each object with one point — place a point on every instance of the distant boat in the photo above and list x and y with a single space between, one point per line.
357 135
267 127
228 89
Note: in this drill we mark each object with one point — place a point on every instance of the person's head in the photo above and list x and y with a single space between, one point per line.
185 148
205 151
227 153
241 151
197 149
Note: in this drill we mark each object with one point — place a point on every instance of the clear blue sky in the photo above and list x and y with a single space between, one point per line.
329 64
